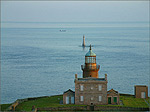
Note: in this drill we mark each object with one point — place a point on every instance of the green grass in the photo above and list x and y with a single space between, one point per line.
53 101
4 106
130 101
148 100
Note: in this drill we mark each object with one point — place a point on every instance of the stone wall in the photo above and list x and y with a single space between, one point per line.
13 106
113 95
68 94
90 92
81 108
139 89
95 108
119 108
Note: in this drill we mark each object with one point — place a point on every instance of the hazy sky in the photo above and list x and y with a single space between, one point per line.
74 11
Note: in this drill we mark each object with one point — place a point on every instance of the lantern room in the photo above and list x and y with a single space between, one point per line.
90 69
90 57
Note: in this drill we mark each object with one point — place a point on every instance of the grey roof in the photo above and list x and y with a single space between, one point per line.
69 90
140 86
91 78
112 90
90 53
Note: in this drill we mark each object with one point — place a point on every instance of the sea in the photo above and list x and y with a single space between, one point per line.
42 58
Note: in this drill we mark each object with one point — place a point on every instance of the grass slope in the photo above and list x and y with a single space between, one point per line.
4 106
148 100
130 101
40 102
53 101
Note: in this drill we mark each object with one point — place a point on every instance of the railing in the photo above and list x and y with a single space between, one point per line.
90 67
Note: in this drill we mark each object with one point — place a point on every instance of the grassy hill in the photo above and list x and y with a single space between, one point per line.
54 101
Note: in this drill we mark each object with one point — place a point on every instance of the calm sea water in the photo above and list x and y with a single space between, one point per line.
39 60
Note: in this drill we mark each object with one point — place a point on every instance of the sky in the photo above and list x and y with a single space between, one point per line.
74 11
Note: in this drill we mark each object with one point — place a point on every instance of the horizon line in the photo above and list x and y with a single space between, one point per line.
72 21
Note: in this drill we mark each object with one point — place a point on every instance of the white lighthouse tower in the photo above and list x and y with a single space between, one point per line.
83 44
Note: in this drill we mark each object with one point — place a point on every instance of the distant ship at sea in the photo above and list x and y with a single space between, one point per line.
62 30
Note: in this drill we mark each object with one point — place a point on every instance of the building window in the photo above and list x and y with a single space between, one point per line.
72 99
67 99
81 98
100 98
99 87
87 59
93 59
90 59
91 88
81 87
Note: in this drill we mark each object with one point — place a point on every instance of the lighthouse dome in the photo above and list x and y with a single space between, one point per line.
90 53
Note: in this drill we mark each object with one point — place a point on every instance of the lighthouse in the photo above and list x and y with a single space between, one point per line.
83 44
90 89
90 68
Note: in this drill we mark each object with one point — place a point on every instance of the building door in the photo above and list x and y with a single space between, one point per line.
143 95
115 99
91 107
67 99
109 100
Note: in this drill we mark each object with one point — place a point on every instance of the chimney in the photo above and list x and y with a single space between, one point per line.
106 77
76 76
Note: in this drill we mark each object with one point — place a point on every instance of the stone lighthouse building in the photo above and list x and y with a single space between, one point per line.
90 89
